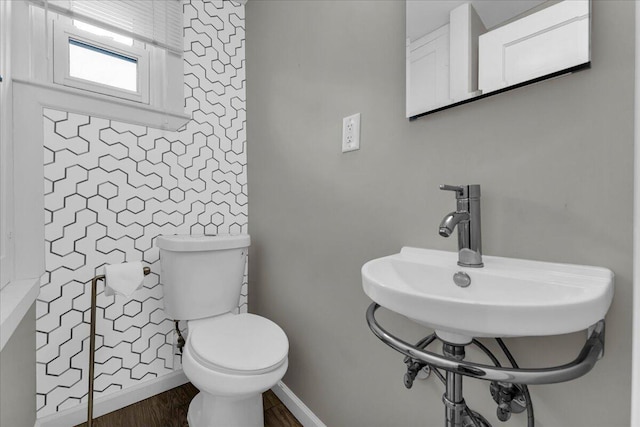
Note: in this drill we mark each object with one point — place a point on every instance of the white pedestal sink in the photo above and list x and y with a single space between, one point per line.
506 298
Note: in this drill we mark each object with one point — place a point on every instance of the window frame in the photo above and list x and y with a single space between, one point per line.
26 32
6 151
64 32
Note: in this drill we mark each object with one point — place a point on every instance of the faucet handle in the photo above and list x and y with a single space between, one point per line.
471 191
459 190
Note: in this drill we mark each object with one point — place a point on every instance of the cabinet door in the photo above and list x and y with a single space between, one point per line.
428 72
551 40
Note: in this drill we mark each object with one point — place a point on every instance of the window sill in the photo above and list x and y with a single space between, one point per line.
15 300
78 101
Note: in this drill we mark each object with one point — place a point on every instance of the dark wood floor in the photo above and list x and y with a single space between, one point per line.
169 409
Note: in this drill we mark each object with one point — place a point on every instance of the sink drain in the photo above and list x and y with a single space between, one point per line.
461 279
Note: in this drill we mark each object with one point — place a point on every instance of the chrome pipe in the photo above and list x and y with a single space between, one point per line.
454 404
92 342
591 352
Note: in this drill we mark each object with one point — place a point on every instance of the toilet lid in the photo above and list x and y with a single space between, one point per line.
240 343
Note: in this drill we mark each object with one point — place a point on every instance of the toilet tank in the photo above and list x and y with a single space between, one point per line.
201 276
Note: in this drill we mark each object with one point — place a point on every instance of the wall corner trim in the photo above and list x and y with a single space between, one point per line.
296 406
635 358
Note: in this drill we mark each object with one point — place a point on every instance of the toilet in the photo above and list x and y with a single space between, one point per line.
231 358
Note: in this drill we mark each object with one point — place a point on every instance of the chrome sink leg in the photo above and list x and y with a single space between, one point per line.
453 401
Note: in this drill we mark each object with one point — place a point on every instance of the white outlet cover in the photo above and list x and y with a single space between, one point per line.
351 133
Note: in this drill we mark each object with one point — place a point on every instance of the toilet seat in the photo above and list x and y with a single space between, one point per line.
238 344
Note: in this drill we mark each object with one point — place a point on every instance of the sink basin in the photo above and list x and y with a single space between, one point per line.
506 298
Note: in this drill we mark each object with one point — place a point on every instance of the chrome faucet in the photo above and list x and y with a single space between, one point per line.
467 218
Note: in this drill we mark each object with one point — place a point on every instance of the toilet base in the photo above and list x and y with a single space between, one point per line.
206 410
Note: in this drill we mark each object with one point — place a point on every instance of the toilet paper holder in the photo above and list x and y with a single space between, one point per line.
92 341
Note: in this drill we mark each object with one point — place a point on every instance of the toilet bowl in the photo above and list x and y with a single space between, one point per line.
231 358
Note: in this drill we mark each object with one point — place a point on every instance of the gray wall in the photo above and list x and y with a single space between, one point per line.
555 161
18 375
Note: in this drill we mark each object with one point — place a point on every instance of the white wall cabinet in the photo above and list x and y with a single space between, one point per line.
442 66
545 42
428 71
465 28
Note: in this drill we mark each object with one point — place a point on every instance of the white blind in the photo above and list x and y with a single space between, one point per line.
152 21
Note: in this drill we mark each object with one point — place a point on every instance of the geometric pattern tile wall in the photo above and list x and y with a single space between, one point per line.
111 188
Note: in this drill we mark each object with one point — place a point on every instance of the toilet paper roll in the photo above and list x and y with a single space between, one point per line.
123 279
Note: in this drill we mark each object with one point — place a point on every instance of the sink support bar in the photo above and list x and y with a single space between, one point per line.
591 352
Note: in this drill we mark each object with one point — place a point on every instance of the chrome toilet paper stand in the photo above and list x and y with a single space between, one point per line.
92 340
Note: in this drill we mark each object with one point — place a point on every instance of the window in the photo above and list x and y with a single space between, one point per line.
126 49
99 63
92 63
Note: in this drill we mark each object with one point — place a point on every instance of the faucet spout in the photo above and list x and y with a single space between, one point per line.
450 221
467 219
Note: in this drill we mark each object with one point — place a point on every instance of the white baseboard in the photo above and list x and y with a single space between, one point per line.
112 402
296 406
